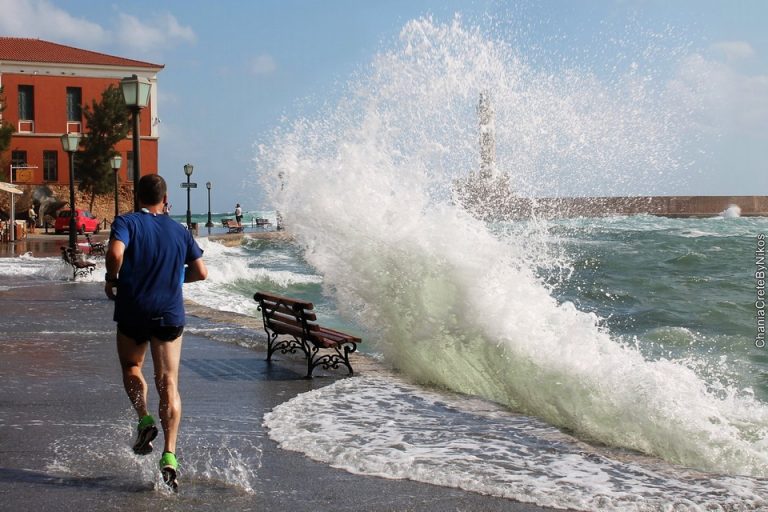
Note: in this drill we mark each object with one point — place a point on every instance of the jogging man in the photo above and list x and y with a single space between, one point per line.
148 259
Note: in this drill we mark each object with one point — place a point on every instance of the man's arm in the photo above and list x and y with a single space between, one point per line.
113 262
195 271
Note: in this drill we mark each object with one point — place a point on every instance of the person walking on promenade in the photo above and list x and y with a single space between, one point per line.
238 214
149 257
32 219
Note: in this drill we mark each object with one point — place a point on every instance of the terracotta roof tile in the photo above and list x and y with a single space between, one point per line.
37 50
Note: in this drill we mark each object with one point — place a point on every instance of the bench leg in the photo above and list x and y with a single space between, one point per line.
270 345
339 356
285 345
310 363
82 272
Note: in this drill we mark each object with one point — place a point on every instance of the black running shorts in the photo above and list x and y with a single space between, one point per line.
142 334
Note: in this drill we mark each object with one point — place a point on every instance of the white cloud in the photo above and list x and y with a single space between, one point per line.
724 99
41 19
734 50
262 65
151 35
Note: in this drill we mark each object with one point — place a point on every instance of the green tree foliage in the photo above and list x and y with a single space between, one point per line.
6 131
107 124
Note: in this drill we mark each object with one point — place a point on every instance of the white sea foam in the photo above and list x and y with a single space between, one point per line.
231 459
452 304
24 267
230 266
394 430
733 211
695 233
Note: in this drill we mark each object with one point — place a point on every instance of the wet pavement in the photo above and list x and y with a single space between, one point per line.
66 425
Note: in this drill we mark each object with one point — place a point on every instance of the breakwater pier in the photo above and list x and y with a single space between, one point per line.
665 206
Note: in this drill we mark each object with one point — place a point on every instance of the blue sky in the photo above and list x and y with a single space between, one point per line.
235 69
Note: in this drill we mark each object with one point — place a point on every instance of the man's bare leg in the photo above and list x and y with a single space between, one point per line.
166 356
131 358
131 361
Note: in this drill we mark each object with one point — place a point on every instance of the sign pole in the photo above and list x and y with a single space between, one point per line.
188 186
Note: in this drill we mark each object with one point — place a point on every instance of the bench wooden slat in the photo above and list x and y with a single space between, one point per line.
290 320
322 341
271 298
288 309
310 316
282 328
324 331
331 338
328 340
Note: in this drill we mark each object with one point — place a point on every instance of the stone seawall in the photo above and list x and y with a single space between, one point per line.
103 205
671 206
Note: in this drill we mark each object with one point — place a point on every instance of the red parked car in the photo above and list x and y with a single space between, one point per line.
85 222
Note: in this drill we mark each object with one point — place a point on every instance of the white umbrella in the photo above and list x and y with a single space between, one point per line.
13 190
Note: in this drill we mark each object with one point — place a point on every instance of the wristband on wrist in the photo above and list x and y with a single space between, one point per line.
110 279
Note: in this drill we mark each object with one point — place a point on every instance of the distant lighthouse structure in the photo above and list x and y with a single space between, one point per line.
486 192
487 137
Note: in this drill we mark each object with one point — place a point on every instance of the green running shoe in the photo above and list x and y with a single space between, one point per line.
169 468
147 432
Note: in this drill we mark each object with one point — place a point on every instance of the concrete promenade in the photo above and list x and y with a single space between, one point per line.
66 425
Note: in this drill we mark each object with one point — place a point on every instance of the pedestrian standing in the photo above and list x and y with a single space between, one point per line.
238 214
32 218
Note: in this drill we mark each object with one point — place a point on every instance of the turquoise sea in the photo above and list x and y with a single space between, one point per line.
622 373
679 288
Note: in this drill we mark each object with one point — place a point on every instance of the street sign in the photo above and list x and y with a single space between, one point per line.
189 185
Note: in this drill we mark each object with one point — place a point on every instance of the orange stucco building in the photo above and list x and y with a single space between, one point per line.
46 85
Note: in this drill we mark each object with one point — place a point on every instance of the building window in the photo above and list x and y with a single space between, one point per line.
129 172
26 103
51 165
18 159
74 104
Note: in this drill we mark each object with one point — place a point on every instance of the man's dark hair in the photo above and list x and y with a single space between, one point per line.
152 189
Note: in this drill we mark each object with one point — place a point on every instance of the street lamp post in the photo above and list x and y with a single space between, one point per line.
70 143
188 171
116 161
136 93
209 224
